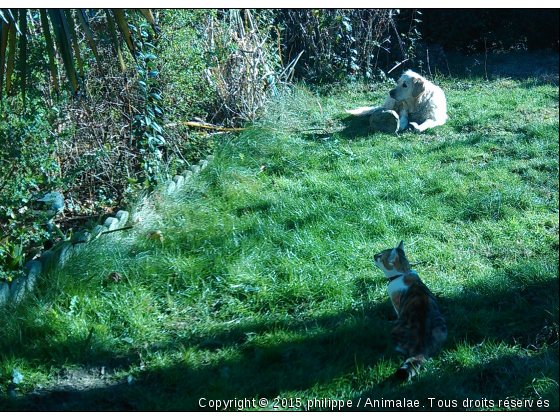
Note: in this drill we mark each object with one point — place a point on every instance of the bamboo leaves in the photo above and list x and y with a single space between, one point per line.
50 49
11 54
4 29
123 26
61 33
74 38
23 50
111 25
61 29
80 13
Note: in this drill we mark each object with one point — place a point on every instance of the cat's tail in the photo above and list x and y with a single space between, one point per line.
410 367
363 110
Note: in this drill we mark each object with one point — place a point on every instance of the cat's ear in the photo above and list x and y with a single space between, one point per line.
401 246
393 256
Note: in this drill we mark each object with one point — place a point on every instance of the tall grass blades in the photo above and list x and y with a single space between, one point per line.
240 66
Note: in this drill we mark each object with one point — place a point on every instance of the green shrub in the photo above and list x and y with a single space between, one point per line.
28 168
182 62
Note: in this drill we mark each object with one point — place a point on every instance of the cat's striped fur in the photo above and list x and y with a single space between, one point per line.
420 330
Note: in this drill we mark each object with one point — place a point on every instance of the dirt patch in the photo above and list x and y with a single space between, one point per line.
76 389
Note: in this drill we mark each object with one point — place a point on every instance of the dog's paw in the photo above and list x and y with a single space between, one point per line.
414 127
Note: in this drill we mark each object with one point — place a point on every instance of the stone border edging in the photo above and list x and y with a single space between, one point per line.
49 259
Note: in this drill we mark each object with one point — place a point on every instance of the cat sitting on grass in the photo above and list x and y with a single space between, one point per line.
419 330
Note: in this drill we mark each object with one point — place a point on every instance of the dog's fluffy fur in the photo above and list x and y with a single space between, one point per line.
417 101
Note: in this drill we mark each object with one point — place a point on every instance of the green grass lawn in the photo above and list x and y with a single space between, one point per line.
265 286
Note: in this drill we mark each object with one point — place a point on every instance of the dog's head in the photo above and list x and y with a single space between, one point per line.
410 85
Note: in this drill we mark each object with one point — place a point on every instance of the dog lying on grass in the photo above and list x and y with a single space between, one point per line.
415 101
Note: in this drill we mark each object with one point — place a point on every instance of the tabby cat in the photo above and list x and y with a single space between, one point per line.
419 330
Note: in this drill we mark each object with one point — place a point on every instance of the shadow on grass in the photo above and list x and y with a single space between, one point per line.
326 349
354 127
256 369
480 387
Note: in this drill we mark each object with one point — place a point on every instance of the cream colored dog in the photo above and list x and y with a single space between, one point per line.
415 101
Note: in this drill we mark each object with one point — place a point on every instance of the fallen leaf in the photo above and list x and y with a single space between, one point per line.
155 236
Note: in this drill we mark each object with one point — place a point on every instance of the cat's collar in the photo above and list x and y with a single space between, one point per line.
395 277
400 275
